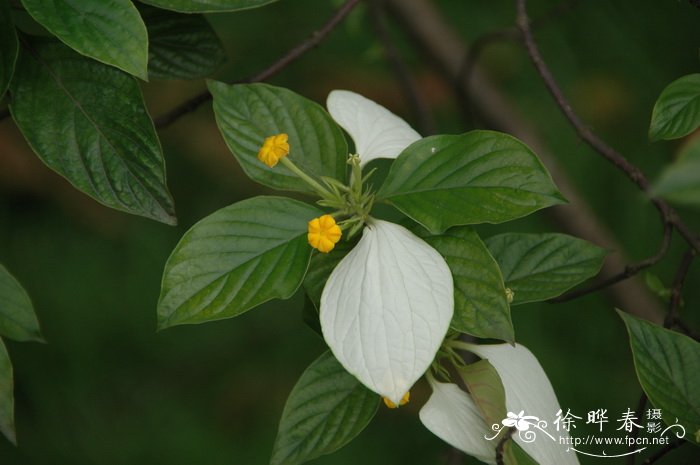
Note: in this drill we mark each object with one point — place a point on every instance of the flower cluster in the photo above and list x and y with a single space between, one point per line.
387 306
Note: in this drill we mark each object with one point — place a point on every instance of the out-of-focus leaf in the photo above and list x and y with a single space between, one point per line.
110 31
235 259
680 181
677 110
7 397
180 46
17 318
87 121
477 177
9 46
668 368
248 113
327 408
207 6
542 266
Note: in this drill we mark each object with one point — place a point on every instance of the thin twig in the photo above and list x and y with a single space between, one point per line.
312 41
628 272
641 405
502 444
426 124
464 74
668 448
677 287
585 134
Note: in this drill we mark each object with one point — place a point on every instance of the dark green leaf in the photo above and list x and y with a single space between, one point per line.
309 315
677 111
481 306
542 266
235 259
88 122
17 318
477 177
8 47
7 397
321 267
247 114
327 408
486 390
207 6
680 182
668 368
110 31
180 46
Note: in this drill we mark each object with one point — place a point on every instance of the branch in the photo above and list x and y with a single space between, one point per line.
502 444
426 124
597 144
668 448
641 405
628 272
292 55
675 300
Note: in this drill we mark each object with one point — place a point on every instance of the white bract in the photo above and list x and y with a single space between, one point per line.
387 306
377 132
527 389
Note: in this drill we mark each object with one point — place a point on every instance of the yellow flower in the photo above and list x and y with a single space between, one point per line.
324 233
273 149
404 400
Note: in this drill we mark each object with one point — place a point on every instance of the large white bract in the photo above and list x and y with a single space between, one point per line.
387 306
527 389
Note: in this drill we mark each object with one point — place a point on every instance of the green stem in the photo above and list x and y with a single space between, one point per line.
322 191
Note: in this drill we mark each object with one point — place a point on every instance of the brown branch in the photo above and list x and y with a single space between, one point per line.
502 444
628 272
426 124
661 453
641 405
585 134
292 55
677 287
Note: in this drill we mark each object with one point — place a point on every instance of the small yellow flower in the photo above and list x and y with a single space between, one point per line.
273 149
324 233
404 400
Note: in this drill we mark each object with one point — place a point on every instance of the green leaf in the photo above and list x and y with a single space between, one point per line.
668 368
17 318
680 182
542 266
88 122
180 46
321 267
477 177
486 389
481 307
110 31
7 397
677 110
207 6
248 113
235 259
327 408
9 47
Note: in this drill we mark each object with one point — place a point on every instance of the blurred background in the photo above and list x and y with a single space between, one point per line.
107 389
